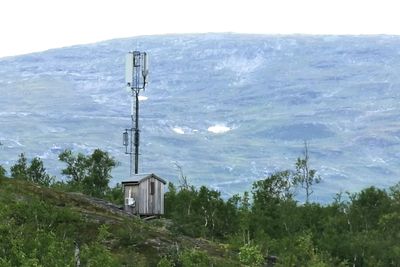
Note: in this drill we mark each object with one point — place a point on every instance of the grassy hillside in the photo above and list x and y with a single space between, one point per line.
41 227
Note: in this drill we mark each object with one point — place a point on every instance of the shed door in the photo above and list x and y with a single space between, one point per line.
155 195
152 197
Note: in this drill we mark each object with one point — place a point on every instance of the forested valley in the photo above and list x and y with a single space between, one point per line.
45 222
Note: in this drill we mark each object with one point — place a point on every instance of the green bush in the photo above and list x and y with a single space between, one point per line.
194 258
250 255
165 262
115 194
96 254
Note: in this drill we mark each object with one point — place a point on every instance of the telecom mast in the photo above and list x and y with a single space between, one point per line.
136 71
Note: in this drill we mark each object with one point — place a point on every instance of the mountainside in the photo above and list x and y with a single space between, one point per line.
42 226
227 108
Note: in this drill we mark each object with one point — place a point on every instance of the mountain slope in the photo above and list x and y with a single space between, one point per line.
227 108
35 219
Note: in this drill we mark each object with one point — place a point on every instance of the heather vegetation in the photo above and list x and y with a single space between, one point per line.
275 224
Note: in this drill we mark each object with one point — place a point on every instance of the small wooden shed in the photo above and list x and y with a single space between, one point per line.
144 194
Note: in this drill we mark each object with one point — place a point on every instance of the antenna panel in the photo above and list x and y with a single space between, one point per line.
129 69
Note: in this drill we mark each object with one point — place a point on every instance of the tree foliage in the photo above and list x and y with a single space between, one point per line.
20 169
89 174
304 175
199 212
355 229
35 172
359 229
3 172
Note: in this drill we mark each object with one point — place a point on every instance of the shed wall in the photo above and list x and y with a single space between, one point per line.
151 203
134 190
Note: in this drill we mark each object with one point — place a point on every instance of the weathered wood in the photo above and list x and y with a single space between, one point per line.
131 191
148 193
150 218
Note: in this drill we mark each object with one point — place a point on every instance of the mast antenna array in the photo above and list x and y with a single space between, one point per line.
136 72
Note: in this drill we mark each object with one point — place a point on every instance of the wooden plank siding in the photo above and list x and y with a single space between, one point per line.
134 190
143 198
149 198
151 203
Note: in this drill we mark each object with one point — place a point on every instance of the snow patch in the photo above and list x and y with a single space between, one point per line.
240 65
100 99
143 98
178 130
219 129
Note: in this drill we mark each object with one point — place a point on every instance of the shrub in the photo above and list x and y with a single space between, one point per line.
194 258
164 262
250 255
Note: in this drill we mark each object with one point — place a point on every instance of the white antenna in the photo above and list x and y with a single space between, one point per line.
136 72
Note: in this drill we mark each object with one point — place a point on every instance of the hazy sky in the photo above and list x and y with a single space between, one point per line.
35 25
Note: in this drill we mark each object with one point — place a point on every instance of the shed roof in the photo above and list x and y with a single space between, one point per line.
138 178
130 183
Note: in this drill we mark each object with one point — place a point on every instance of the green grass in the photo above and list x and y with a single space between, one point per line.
74 217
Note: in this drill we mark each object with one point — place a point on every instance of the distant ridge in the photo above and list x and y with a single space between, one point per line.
268 93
